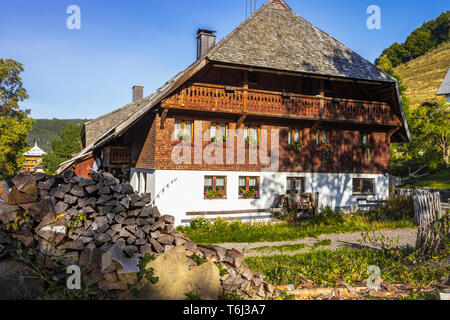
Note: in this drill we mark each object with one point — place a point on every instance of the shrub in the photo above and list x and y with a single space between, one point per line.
327 217
200 224
396 208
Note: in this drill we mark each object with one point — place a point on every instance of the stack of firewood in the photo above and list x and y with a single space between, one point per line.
105 227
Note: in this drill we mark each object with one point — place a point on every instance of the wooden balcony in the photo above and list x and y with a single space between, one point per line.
275 104
116 157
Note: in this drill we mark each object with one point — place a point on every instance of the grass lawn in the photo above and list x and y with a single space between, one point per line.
221 231
327 268
285 248
439 180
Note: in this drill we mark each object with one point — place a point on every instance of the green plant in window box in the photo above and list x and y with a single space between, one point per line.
249 194
183 138
296 146
326 150
215 194
368 149
218 140
251 141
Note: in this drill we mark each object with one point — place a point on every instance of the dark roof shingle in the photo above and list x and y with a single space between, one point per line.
275 37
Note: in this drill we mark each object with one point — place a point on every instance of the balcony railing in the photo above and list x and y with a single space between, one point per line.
258 102
115 156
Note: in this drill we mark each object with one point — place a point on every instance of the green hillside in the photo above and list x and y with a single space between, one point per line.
424 75
44 130
429 36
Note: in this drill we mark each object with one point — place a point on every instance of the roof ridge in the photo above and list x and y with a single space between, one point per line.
278 3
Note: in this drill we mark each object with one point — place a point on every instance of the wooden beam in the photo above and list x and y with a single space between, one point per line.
390 134
234 212
241 121
163 118
315 127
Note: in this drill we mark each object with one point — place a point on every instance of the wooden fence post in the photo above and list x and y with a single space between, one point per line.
432 230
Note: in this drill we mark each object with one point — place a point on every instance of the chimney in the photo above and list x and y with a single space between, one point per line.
138 93
206 40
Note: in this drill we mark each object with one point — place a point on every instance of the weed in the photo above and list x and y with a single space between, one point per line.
148 273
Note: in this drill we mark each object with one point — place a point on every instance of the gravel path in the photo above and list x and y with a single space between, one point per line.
405 237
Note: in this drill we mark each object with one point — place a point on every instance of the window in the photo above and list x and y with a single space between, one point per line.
364 186
215 187
295 185
249 187
322 137
183 131
251 135
365 138
219 132
295 135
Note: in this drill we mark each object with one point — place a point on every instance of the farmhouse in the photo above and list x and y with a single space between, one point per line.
277 106
445 87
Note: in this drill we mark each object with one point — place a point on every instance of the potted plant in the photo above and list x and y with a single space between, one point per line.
326 149
296 146
368 149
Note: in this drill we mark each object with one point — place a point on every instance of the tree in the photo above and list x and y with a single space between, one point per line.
400 152
15 124
430 35
431 127
67 145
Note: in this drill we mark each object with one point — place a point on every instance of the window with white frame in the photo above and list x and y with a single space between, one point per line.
219 132
183 130
251 135
249 187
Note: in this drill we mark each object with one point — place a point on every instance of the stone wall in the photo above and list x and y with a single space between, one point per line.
105 228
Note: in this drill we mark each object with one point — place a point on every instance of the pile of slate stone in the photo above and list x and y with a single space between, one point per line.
104 227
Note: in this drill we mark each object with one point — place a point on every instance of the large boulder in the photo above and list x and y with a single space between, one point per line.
176 280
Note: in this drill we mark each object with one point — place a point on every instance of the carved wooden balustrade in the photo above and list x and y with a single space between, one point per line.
116 156
258 102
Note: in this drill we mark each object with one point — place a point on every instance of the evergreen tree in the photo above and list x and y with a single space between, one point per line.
66 146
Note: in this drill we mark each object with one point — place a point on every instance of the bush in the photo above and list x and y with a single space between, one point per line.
200 224
397 208
328 216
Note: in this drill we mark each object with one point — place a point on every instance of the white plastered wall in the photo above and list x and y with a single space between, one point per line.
179 192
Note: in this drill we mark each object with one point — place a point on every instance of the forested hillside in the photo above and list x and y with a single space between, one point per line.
430 35
45 130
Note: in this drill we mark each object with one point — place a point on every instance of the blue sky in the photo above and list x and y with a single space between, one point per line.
89 72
